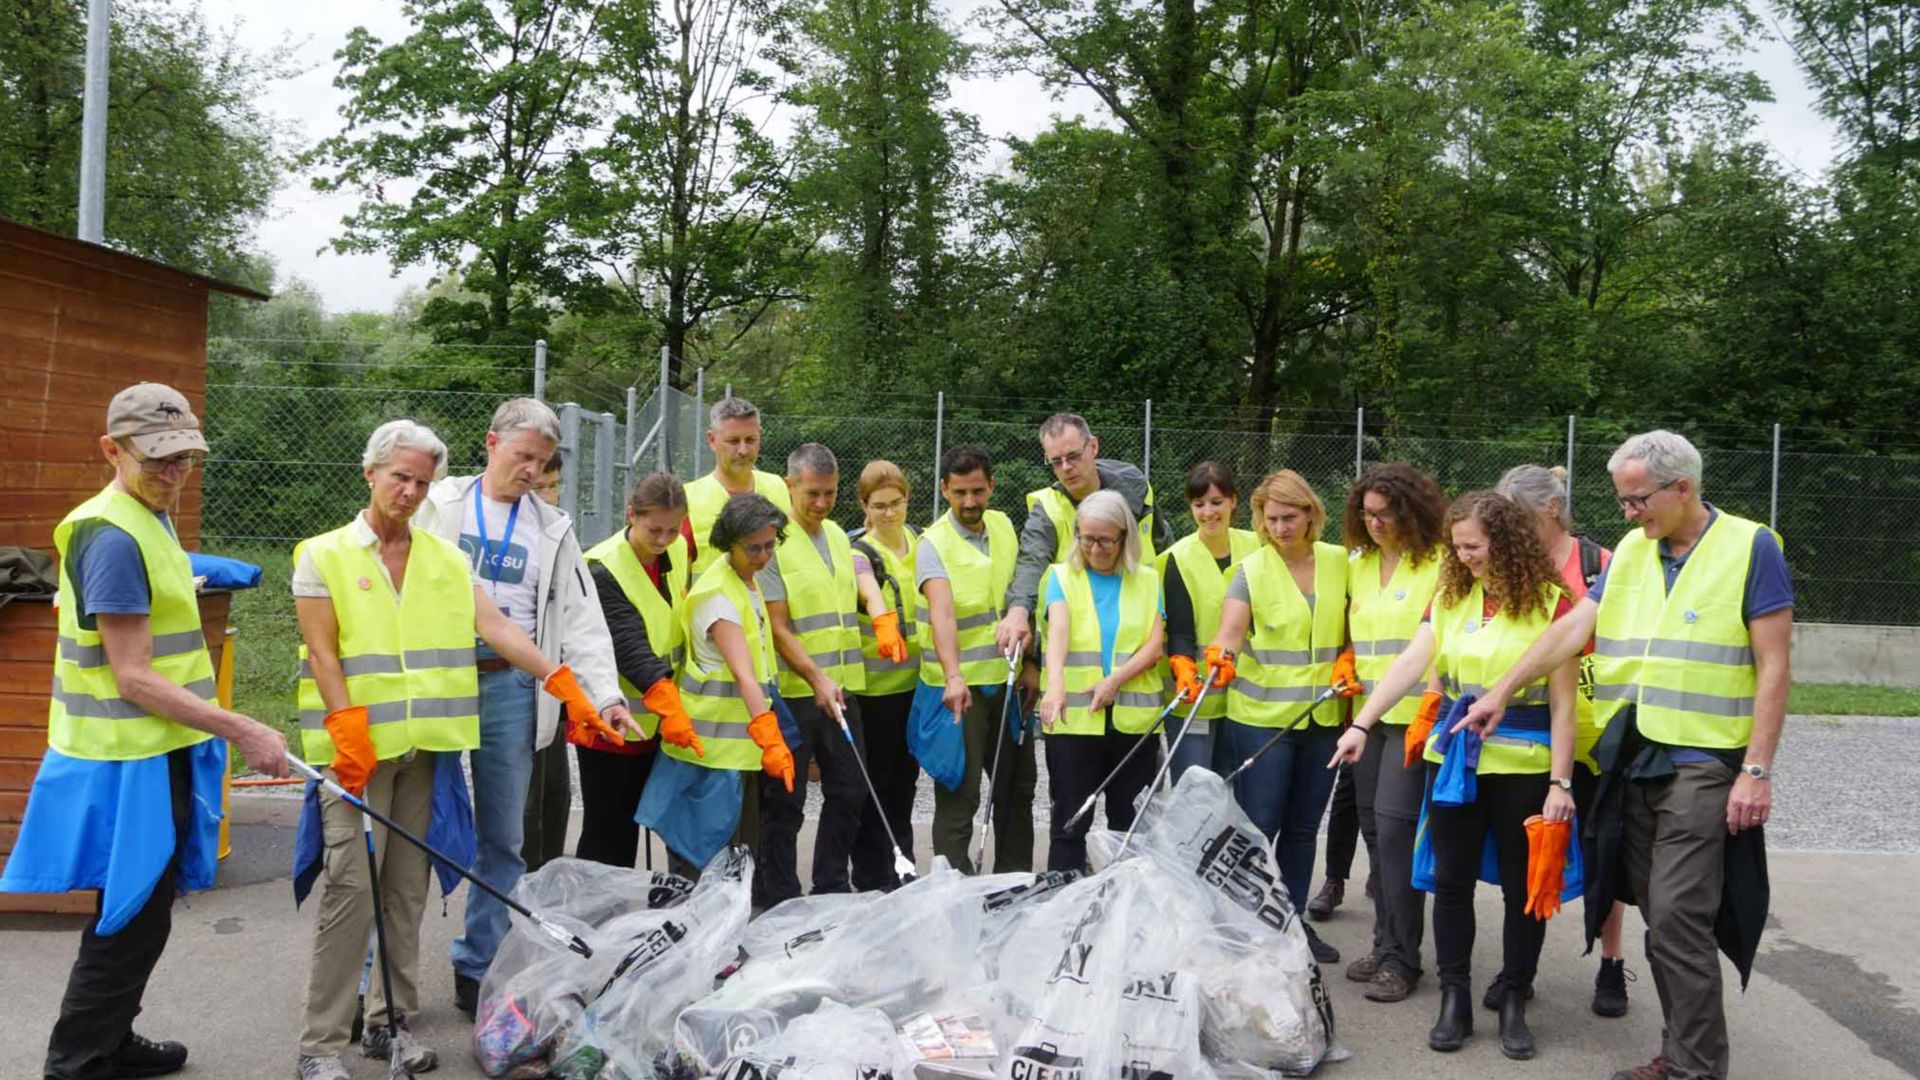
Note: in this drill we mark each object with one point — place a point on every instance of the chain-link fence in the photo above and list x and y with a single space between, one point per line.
288 433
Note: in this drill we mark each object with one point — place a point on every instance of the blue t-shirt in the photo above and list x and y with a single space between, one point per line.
1769 589
1106 605
105 565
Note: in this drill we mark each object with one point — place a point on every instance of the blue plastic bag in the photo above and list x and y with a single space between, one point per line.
935 740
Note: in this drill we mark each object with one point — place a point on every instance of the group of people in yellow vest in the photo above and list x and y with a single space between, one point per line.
1472 670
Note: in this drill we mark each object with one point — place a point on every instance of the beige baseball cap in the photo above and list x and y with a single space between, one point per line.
156 419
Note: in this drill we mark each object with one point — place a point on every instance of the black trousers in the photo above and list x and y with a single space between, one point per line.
776 877
1075 766
1459 835
895 776
610 787
109 976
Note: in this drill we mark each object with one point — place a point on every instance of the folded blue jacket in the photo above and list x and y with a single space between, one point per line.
222 572
449 834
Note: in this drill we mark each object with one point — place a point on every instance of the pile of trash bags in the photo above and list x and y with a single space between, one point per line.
1180 958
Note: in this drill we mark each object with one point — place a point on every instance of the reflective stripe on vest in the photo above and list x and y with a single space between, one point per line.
1684 658
408 659
821 606
1289 655
979 581
1141 697
1060 510
657 614
712 698
706 498
886 676
1470 655
1382 620
86 715
1206 585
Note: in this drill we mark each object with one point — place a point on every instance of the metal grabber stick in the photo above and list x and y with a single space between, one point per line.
1159 726
1325 695
1160 773
902 866
395 1066
984 827
558 933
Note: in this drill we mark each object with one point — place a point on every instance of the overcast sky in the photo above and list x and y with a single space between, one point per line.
302 221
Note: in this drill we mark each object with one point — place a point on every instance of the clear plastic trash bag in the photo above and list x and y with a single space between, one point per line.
834 1042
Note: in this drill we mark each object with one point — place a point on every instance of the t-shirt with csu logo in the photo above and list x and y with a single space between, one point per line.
518 589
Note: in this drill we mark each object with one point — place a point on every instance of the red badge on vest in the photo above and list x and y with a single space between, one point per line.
366 583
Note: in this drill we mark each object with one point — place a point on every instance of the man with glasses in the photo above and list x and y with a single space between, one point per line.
136 743
1072 451
1692 622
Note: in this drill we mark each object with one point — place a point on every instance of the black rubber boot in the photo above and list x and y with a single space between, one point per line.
1456 1020
1516 1038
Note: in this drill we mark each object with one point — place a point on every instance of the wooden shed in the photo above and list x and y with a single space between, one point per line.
77 323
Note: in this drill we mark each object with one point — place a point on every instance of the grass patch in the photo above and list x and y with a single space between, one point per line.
266 649
1852 699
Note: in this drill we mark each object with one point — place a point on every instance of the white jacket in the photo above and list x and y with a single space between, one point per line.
568 625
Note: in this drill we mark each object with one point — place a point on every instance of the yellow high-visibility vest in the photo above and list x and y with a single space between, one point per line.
979 582
712 697
1207 589
822 607
1291 647
1141 697
1382 619
657 613
885 676
706 498
1470 655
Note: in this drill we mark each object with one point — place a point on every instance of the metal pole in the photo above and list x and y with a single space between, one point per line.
1146 440
633 421
1773 504
540 370
666 463
92 215
939 432
1569 465
1359 439
699 419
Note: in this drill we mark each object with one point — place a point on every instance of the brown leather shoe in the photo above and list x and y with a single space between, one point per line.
1389 986
1657 1069
1364 969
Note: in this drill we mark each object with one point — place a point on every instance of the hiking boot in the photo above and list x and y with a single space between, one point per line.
1497 993
466 994
1330 896
1657 1069
322 1067
1323 953
414 1056
1455 1024
141 1056
1389 986
1365 968
1610 988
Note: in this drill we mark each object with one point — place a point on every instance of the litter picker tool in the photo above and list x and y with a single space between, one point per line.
558 933
902 866
1159 723
985 826
1326 694
1161 773
395 1066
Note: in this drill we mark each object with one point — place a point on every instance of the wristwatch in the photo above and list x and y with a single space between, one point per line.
1757 771
1562 784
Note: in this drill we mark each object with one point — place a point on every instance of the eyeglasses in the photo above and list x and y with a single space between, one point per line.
895 506
1383 517
1098 543
754 551
1071 457
161 466
1637 503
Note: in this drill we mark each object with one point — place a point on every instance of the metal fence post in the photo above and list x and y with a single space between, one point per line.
1359 439
1146 444
91 216
1569 465
939 432
666 459
699 420
540 370
604 498
1773 503
569 459
633 408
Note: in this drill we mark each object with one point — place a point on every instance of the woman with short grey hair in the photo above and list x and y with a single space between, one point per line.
397 435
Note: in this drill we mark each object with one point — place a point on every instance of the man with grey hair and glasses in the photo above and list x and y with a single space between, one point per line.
1691 622
527 558
733 434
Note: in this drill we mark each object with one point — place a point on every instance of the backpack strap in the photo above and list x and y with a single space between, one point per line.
887 581
1591 562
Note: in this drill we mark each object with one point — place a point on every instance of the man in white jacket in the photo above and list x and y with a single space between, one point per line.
525 554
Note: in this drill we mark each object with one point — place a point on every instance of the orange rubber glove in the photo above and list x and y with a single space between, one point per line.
1221 664
886 637
676 727
775 759
1346 680
583 719
1421 727
1185 676
1546 864
353 756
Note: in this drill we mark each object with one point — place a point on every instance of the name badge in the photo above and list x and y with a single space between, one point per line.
1691 616
365 583
1399 594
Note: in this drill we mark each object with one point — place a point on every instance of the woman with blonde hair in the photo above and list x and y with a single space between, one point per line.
1103 637
1281 629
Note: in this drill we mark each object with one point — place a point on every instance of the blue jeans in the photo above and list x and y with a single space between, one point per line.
1199 747
502 767
1286 793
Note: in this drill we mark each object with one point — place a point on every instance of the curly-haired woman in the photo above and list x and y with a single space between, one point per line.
1498 594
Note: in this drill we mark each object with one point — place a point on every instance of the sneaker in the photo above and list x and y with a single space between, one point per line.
414 1056
466 994
1610 988
1657 1069
1330 896
322 1067
141 1056
1365 968
1323 953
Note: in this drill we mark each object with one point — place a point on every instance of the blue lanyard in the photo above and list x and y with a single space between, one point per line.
486 548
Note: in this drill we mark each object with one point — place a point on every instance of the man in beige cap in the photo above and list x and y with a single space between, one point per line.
134 735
